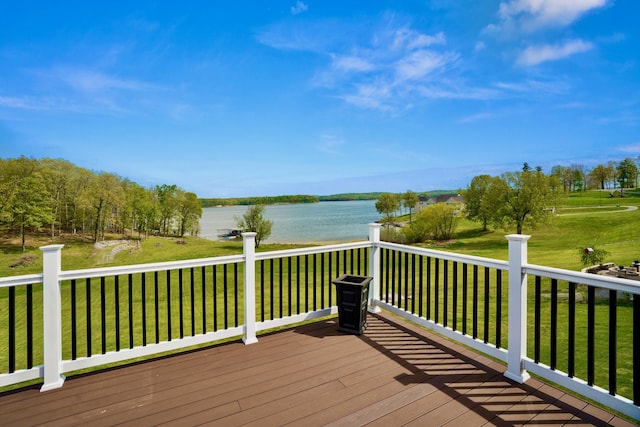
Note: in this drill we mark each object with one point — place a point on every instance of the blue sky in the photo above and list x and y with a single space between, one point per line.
319 97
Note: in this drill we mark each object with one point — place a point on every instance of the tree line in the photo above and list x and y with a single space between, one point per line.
260 200
529 197
613 175
57 195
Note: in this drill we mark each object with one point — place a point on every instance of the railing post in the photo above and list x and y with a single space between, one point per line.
374 266
248 244
52 317
517 308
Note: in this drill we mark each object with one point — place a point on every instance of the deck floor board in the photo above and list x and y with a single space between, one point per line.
312 375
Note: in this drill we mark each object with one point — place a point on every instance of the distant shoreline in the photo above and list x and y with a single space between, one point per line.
300 198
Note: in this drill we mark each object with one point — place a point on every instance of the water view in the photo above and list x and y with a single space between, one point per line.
301 223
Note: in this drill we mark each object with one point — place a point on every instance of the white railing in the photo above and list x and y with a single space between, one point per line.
518 363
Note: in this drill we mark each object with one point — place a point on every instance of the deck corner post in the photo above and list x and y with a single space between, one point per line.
249 249
52 316
374 267
517 328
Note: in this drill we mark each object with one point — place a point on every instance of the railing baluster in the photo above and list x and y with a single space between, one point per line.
74 326
454 313
225 296
591 327
12 329
262 290
475 301
181 303
280 274
88 314
436 291
405 267
315 284
322 283
116 301
393 277
636 350
366 261
498 308
103 314
413 283
203 298
156 305
306 283
346 261
445 292
465 296
143 302
192 288
613 323
428 288
486 304
169 331
328 282
385 261
554 324
298 284
537 319
130 308
271 294
214 277
289 285
571 357
29 326
235 294
420 285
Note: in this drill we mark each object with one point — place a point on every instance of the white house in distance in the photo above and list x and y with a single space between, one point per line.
449 199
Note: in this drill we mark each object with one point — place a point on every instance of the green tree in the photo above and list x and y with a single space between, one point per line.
167 203
189 212
25 199
592 256
599 175
626 174
106 195
387 204
524 198
440 220
409 200
476 197
253 220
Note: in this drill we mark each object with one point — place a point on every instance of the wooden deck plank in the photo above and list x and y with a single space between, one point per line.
394 374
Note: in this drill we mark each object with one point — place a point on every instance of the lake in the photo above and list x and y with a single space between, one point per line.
301 223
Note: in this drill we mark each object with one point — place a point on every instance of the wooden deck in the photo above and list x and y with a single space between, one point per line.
395 374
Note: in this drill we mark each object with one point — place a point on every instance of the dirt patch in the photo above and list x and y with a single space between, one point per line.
23 261
108 249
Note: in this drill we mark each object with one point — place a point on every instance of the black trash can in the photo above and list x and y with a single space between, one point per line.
352 292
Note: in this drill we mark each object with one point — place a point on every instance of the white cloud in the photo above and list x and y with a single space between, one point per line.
384 65
475 117
631 148
330 143
299 7
534 86
418 64
533 14
90 81
534 55
352 63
